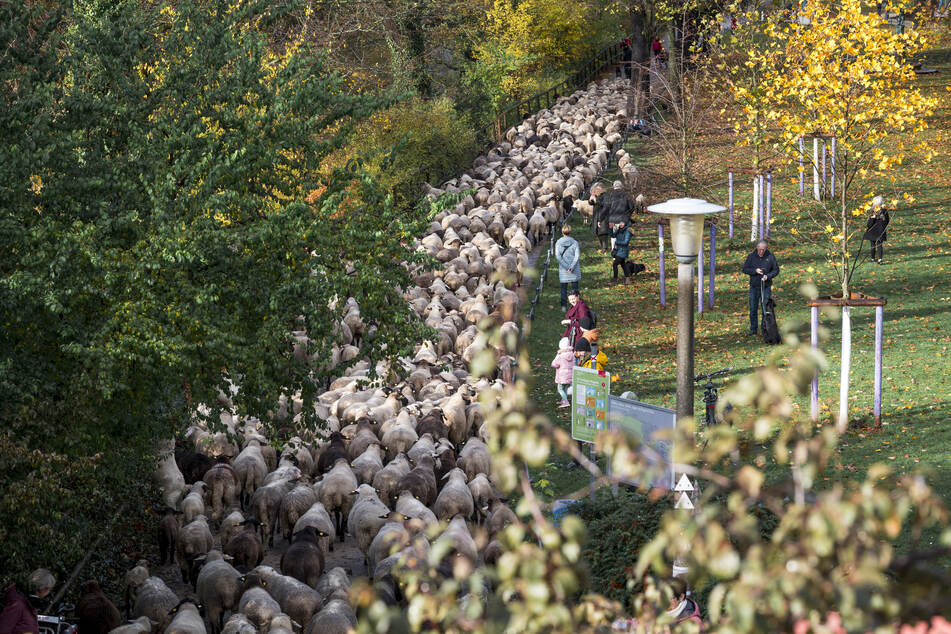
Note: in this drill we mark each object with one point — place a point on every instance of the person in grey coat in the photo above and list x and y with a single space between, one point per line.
568 254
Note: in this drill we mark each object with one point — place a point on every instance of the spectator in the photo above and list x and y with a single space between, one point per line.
600 219
20 609
875 228
568 254
579 311
587 352
682 608
762 267
563 363
619 204
657 48
625 70
622 238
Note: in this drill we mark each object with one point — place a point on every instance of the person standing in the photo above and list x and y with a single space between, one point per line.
622 239
564 363
619 205
20 609
600 220
762 267
568 254
875 228
577 317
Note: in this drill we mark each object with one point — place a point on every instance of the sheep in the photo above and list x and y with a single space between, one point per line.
218 588
445 459
335 584
336 448
245 546
294 504
303 559
423 447
454 409
255 603
194 540
421 481
298 600
409 506
250 470
474 458
386 479
337 617
364 437
142 625
168 529
318 517
364 519
432 424
167 477
266 504
335 493
391 536
482 495
305 461
222 487
193 503
230 525
154 600
131 583
459 539
239 624
399 438
186 619
281 624
455 497
287 469
498 516
96 613
366 465
193 464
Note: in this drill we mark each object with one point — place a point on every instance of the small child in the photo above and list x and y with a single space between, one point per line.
563 363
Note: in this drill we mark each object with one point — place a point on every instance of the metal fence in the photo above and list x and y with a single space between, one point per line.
513 113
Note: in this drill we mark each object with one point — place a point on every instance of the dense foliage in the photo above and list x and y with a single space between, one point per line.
166 227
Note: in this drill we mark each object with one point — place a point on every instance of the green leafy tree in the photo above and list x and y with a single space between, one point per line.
167 228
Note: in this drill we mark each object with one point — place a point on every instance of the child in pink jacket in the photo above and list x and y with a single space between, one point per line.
563 363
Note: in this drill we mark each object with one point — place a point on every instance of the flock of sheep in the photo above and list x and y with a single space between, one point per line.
394 461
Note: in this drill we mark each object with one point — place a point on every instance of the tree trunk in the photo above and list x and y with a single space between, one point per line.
640 54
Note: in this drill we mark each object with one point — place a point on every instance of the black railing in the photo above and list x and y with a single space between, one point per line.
513 113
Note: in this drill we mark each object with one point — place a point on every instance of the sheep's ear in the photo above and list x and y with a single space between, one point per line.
446 476
354 492
263 583
384 517
322 534
296 625
228 557
243 578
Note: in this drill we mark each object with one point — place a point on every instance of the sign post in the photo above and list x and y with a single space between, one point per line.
590 390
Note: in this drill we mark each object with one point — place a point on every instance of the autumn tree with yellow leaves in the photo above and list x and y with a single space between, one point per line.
838 70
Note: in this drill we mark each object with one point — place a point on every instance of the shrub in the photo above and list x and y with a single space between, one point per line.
412 142
618 527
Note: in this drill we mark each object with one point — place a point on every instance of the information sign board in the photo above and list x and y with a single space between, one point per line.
647 421
590 391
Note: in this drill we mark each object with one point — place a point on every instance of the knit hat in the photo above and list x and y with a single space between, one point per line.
582 345
564 344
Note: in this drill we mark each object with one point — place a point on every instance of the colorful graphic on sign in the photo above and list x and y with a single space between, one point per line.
590 391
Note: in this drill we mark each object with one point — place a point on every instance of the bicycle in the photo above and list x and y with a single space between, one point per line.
711 394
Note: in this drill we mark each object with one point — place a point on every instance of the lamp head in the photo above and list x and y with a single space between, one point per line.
686 224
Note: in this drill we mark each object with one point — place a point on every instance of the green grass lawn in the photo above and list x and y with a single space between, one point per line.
638 335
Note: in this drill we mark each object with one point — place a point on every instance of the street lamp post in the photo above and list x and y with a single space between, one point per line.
686 233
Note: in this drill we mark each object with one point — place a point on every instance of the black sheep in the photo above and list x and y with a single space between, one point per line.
96 613
168 535
336 448
245 546
193 465
433 424
303 559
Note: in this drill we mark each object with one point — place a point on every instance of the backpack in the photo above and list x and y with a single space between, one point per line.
594 318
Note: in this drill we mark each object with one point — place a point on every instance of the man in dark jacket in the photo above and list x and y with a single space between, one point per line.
599 220
761 266
19 609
